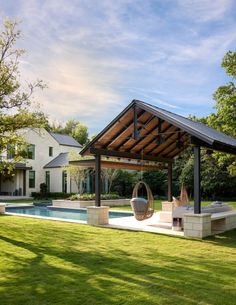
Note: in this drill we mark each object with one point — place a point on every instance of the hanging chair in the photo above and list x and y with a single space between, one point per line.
142 208
183 198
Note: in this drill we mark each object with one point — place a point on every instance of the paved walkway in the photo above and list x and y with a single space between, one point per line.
14 197
150 225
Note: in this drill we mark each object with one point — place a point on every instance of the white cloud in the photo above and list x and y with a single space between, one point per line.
205 10
96 58
208 49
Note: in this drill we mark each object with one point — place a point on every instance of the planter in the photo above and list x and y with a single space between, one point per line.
77 204
97 215
2 208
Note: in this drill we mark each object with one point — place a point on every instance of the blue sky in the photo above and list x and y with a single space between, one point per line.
96 56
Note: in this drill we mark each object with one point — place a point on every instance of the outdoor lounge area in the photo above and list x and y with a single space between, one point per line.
148 134
142 137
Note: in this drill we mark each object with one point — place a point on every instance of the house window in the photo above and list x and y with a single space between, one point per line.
64 182
31 151
50 151
10 151
47 178
31 179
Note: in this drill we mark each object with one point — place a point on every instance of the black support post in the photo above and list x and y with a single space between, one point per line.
197 180
98 180
170 182
24 182
135 123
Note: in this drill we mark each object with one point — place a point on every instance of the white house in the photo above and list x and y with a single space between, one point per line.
47 155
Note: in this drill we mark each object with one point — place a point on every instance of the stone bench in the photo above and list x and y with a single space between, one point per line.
206 224
224 221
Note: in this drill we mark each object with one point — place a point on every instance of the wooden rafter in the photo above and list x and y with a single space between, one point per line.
126 155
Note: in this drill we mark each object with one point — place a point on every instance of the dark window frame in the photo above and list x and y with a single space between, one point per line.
29 152
50 151
47 180
64 181
32 179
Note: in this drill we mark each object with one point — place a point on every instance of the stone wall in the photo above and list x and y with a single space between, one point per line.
205 224
197 225
84 204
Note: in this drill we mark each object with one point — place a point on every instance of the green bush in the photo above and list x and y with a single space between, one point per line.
55 195
87 197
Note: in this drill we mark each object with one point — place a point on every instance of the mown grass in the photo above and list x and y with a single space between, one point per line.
28 201
157 205
44 262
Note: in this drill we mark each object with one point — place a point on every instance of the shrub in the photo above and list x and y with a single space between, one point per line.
87 197
55 195
43 190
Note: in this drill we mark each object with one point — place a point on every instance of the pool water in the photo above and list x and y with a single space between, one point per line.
51 212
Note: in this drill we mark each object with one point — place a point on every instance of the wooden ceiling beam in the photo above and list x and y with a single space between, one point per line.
122 130
117 165
129 136
154 140
147 132
175 147
126 155
166 139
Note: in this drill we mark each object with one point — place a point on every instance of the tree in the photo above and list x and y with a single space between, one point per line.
110 174
15 100
157 180
80 134
225 118
73 128
216 181
124 182
77 173
70 127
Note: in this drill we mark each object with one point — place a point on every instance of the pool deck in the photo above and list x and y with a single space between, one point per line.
152 225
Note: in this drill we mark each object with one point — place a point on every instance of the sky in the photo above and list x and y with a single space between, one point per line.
97 56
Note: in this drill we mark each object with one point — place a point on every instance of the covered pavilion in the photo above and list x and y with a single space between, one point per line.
153 136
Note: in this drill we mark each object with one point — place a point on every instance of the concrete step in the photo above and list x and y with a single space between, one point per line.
165 217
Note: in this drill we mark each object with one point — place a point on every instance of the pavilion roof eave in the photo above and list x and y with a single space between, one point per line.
83 151
190 130
177 124
128 165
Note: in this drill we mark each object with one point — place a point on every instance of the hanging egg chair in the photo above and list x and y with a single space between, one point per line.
142 208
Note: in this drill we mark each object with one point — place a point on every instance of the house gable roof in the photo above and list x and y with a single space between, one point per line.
65 140
61 160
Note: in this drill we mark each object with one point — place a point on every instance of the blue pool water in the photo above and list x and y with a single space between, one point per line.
79 214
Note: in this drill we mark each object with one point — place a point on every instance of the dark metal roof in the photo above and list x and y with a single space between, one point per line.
150 124
61 160
65 140
198 129
22 166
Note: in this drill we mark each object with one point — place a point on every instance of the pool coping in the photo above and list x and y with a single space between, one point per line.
47 218
54 218
146 229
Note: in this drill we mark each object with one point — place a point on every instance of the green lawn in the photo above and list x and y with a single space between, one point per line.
25 200
124 208
45 262
157 205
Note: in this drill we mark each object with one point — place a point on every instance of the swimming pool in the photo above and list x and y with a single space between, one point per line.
51 212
